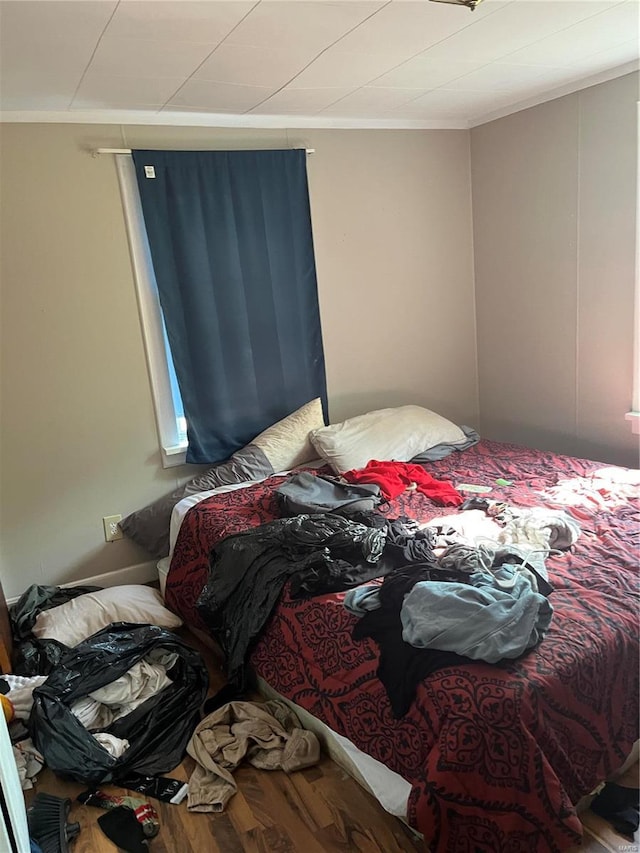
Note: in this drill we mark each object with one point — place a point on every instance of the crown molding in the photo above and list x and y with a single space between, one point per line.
559 92
194 119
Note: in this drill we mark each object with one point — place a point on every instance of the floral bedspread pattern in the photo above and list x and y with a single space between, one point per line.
496 755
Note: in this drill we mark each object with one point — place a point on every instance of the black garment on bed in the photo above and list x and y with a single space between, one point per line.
325 574
408 545
343 537
247 572
403 666
404 545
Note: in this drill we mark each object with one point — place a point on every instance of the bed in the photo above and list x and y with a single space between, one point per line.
495 756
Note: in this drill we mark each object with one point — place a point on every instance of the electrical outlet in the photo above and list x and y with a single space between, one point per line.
111 529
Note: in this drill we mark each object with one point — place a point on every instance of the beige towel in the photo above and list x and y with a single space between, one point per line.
269 736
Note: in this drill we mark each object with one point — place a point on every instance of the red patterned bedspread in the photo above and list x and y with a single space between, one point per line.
496 755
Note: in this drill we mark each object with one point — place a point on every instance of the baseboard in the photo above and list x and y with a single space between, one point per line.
139 573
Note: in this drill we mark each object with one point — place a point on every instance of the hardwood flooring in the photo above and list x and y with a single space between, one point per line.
314 810
600 836
318 810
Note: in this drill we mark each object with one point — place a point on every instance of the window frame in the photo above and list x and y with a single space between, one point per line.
172 442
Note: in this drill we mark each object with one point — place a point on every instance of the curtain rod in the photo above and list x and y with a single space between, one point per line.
97 151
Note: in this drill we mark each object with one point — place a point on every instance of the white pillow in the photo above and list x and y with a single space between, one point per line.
73 622
396 434
286 443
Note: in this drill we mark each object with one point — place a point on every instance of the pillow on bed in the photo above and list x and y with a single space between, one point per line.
286 443
396 434
149 526
73 622
247 464
283 445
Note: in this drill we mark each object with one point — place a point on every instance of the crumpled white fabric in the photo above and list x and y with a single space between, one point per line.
91 713
115 746
538 528
21 692
28 761
143 680
542 528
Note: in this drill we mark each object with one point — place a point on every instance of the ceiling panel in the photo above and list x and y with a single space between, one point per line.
208 95
422 72
127 57
64 57
105 92
303 101
413 27
371 102
500 76
44 50
253 66
513 27
311 25
335 68
441 104
600 61
600 32
38 91
64 20
182 21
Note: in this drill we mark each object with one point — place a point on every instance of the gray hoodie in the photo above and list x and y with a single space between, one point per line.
500 614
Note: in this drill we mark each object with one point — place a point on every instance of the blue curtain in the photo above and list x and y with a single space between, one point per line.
231 244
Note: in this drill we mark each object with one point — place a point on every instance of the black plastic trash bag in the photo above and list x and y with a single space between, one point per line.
157 730
32 656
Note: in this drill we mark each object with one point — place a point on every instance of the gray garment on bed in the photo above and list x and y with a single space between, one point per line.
306 493
497 615
440 451
362 599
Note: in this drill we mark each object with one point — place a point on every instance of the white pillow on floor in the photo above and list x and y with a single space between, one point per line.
73 622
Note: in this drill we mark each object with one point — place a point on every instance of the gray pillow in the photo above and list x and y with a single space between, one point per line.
441 451
249 463
149 526
283 445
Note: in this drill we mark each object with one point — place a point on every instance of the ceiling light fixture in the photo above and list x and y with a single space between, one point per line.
470 4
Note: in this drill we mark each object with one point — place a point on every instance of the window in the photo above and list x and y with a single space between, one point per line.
229 233
170 420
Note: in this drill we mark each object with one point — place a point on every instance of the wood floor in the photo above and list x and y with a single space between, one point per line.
599 836
318 810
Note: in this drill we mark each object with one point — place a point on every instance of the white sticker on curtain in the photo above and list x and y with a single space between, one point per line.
149 172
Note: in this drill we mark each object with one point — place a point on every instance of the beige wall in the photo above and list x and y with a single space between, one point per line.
392 228
554 209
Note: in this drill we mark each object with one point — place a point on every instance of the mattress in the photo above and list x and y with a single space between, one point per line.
498 754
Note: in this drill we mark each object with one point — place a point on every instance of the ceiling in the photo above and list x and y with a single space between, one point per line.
404 63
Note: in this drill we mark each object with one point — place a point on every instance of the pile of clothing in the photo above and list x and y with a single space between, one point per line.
320 553
267 735
484 597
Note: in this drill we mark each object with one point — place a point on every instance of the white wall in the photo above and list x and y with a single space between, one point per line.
391 215
554 208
